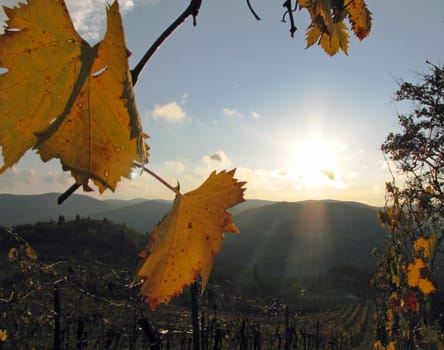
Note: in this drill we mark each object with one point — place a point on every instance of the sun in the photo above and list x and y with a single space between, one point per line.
315 162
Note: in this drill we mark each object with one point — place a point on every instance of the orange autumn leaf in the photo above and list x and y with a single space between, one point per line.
421 244
13 254
415 278
414 272
30 252
360 18
391 346
185 242
426 286
3 335
427 245
65 98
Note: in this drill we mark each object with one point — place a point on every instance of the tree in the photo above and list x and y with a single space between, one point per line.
414 215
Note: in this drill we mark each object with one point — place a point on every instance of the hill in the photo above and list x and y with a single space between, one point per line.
139 214
28 209
77 240
278 240
323 247
295 240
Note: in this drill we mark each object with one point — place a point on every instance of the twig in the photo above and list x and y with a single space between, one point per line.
67 193
252 10
289 11
191 10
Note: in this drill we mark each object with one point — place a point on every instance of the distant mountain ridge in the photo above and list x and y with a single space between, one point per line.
278 239
28 209
139 214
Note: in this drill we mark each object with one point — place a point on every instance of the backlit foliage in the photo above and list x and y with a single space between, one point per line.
188 238
327 27
66 99
414 216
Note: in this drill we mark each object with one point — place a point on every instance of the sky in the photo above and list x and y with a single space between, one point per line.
234 92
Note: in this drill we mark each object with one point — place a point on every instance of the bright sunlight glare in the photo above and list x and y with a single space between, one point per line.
315 163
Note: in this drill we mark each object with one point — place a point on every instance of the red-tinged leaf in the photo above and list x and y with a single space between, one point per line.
360 18
410 301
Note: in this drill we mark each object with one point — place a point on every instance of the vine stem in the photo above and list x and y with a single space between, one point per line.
192 10
176 189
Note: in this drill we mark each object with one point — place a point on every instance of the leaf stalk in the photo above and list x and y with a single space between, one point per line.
176 189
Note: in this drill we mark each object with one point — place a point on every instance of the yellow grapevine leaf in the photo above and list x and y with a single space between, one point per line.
420 244
360 18
304 3
327 26
27 50
427 245
416 279
185 242
414 272
379 346
13 254
65 98
325 11
3 335
391 346
313 34
338 39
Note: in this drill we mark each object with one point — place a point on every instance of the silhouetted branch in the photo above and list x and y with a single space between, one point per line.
289 12
252 10
191 10
67 193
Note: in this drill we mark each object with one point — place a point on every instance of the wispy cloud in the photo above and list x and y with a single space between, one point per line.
56 177
171 112
230 112
261 181
217 159
18 177
330 174
29 180
88 16
175 166
235 113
